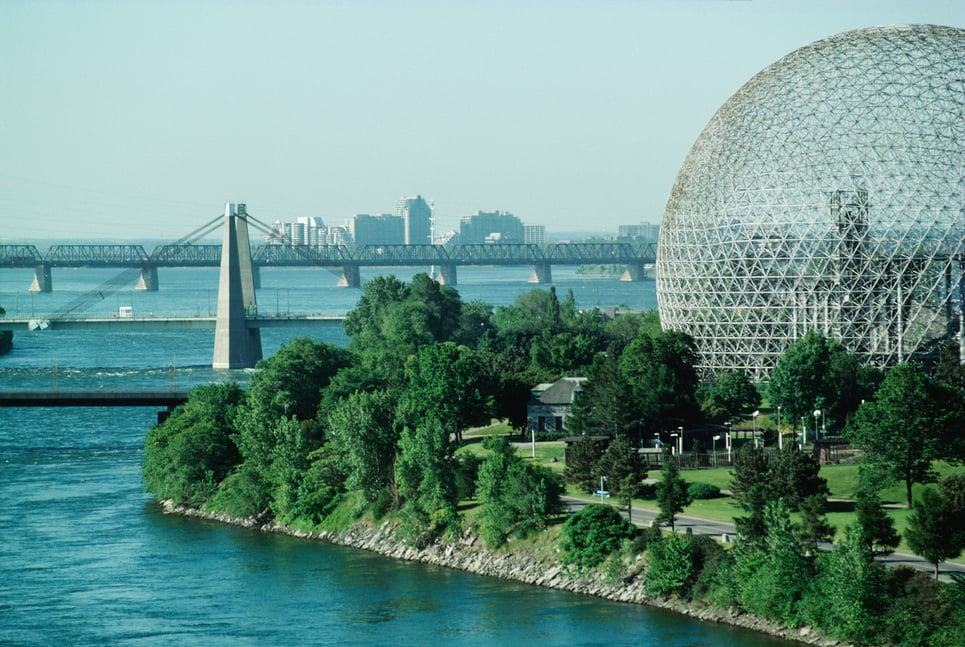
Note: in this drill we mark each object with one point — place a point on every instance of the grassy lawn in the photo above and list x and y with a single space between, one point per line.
842 481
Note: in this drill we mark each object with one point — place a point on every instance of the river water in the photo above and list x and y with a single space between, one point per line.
87 558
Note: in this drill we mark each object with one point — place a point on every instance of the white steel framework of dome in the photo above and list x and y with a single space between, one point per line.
827 194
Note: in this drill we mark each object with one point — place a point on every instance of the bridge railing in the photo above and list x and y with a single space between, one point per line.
300 255
191 255
186 256
95 256
400 255
495 254
19 256
590 253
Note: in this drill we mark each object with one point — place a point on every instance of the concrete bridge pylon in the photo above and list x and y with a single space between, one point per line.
236 344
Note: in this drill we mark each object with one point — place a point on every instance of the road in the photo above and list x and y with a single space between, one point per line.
723 531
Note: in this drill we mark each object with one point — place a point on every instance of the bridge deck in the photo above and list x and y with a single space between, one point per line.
145 323
169 399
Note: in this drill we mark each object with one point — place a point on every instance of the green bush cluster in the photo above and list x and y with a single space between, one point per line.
699 491
592 534
843 592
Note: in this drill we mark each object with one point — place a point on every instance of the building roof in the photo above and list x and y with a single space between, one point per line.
559 392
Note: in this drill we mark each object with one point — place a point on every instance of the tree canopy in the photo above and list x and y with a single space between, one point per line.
818 374
903 429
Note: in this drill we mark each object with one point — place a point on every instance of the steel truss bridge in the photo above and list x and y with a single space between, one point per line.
445 258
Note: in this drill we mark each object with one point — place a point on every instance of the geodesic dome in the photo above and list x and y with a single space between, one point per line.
827 194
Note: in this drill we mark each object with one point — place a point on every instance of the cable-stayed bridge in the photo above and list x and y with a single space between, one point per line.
237 339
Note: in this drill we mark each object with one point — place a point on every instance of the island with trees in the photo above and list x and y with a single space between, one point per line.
419 426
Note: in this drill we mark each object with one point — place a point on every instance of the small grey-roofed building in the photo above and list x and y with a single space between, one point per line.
550 405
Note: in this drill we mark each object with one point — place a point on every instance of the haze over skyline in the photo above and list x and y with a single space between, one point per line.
140 119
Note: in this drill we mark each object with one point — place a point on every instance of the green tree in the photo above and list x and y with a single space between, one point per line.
794 476
475 323
392 320
951 371
952 488
776 575
581 464
877 528
751 468
849 596
289 460
286 386
900 429
935 533
362 427
363 324
730 398
515 497
672 493
624 469
591 534
660 369
752 528
619 332
426 477
814 526
190 453
602 406
819 373
447 382
290 382
670 570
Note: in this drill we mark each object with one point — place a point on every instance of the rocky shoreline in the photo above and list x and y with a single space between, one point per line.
470 555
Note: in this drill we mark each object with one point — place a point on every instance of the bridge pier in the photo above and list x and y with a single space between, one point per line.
542 273
236 345
447 274
43 282
148 279
635 272
351 278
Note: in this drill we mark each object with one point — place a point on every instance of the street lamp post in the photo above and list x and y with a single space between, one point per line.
817 414
680 441
675 435
780 437
754 418
728 442
716 438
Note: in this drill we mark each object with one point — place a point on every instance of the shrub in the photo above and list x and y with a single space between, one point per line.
703 491
646 537
671 567
647 491
593 533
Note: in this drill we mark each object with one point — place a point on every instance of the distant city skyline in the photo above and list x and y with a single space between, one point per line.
140 120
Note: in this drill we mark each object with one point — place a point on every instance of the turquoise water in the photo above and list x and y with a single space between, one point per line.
87 558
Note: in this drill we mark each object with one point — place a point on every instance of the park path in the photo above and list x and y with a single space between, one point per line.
726 532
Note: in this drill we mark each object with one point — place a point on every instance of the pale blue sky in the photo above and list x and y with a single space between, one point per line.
139 119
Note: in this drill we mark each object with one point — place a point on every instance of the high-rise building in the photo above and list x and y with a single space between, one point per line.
491 227
643 231
417 216
384 229
534 234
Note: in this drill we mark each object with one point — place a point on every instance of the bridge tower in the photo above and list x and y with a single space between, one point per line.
236 345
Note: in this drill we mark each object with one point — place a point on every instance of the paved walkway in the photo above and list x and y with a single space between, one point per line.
724 531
